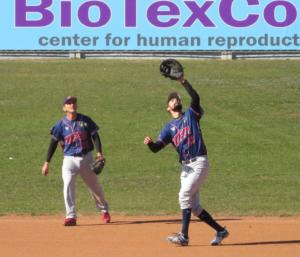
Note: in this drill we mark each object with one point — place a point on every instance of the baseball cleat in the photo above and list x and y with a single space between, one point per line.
178 239
106 217
220 236
70 222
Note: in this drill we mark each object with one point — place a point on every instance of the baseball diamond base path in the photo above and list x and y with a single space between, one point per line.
144 236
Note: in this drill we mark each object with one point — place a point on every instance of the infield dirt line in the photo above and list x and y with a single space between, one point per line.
144 236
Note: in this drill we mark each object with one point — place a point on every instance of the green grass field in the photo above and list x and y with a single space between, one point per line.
251 128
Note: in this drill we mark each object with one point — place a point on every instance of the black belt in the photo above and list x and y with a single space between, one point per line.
79 154
190 160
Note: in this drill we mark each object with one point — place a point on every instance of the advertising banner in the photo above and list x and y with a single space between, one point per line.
150 25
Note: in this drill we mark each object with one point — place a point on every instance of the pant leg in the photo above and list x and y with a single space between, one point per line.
201 166
69 173
192 177
196 204
93 183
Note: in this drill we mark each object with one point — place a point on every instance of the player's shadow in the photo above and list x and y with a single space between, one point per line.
137 222
172 221
265 243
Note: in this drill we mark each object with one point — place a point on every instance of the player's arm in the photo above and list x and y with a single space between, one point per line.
153 146
195 103
98 145
51 150
163 140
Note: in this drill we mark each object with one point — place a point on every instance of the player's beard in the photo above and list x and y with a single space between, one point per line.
177 108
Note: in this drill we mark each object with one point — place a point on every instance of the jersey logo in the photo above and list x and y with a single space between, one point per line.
181 135
66 128
76 136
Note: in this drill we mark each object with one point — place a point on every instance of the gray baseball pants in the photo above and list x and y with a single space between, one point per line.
192 177
72 166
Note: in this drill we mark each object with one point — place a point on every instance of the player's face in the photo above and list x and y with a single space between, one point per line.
175 105
70 107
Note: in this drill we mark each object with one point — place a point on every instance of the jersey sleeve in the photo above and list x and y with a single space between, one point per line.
92 126
56 131
196 113
165 136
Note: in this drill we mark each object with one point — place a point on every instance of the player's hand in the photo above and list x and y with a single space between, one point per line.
100 157
45 169
181 80
148 140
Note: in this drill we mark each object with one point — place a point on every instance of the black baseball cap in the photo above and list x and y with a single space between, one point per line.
70 99
173 95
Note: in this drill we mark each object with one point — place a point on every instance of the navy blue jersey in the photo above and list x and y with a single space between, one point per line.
75 135
185 135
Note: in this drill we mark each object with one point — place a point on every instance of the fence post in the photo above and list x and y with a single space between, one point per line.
227 55
76 55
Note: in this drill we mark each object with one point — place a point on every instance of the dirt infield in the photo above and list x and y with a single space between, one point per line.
127 236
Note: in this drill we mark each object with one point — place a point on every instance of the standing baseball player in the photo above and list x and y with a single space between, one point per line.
184 133
78 135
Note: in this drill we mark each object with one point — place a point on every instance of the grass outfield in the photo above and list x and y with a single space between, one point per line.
251 128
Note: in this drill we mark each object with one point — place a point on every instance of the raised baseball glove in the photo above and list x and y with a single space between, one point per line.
97 166
172 69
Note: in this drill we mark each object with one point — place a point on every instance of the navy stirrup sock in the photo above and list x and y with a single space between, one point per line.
186 217
208 219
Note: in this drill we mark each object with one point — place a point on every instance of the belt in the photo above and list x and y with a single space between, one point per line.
79 154
190 160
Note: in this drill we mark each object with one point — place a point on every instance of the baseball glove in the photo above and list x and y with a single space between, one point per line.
97 166
172 69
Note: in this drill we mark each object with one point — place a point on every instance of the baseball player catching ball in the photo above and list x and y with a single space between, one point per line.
184 133
76 133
